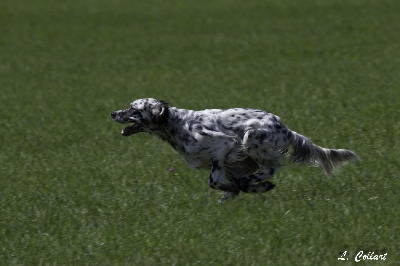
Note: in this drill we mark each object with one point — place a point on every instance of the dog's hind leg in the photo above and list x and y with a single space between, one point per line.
217 180
257 183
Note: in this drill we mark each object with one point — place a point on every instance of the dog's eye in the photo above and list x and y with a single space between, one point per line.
133 111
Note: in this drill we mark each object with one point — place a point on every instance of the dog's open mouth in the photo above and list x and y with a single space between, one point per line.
132 129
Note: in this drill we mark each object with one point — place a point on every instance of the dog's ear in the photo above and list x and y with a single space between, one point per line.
160 111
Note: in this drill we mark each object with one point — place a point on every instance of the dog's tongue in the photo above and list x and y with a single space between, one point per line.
131 130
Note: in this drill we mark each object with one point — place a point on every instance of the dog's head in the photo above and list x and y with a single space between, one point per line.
144 114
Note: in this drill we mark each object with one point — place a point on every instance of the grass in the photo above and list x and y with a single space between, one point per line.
74 192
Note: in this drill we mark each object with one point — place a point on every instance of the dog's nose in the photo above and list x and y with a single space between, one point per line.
113 114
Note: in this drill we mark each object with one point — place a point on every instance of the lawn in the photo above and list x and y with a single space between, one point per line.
73 191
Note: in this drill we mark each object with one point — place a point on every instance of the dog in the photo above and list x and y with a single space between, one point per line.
243 147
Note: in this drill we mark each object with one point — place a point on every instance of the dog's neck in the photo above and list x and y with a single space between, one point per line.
172 129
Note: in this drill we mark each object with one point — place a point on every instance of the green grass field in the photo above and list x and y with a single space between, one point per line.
75 192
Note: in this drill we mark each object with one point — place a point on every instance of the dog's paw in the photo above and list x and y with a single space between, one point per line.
228 195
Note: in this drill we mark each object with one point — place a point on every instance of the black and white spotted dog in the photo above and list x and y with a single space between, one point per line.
243 147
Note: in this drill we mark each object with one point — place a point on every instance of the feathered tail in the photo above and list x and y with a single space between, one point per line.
305 152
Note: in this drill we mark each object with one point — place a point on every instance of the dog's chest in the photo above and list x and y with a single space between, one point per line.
200 147
200 136
201 154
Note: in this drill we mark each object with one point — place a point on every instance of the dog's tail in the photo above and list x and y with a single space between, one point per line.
305 152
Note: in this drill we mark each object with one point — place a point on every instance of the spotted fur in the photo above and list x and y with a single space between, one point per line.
243 147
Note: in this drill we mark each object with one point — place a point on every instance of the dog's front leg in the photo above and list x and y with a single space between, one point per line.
218 181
